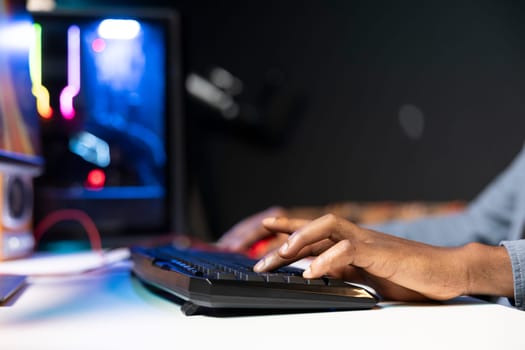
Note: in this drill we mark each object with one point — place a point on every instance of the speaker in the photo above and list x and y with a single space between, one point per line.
20 150
16 208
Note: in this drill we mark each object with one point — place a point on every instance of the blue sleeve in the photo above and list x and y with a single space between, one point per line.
516 250
490 218
445 230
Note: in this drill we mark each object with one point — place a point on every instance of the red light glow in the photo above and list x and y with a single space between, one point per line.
96 179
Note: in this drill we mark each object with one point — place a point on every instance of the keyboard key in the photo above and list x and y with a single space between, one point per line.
335 282
272 277
250 276
222 275
293 279
315 281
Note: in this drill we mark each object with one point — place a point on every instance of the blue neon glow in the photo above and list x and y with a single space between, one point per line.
122 192
91 148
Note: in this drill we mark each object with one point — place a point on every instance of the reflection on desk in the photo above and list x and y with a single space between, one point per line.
110 309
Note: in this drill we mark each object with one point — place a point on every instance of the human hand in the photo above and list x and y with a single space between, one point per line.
396 268
250 230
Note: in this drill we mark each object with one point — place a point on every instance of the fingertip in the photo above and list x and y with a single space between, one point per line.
230 245
226 239
269 220
221 242
259 267
307 273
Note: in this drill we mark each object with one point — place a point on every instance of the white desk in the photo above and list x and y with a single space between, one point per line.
111 310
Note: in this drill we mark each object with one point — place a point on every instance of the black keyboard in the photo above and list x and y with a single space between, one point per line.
206 279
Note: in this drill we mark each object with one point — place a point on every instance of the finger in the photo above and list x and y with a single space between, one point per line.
274 260
328 227
229 236
247 232
245 238
332 262
240 231
284 224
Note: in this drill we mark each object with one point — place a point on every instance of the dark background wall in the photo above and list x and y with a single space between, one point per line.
406 100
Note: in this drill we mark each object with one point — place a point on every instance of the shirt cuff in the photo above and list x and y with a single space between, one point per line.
516 251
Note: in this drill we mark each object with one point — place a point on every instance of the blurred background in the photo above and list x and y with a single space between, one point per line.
346 100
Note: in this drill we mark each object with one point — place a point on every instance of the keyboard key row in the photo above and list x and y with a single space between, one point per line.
243 272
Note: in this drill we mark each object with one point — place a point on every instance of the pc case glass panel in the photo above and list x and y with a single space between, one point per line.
105 142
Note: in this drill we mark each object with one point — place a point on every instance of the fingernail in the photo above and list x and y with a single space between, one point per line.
259 266
269 221
284 248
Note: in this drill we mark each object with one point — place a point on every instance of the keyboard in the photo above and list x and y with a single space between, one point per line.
209 280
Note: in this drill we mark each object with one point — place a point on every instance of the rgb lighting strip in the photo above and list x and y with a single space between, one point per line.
73 73
35 69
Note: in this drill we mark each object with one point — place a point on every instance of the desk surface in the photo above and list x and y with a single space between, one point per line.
112 310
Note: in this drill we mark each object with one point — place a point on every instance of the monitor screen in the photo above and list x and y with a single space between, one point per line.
109 106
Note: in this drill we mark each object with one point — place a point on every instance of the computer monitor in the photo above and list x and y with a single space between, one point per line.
20 158
110 111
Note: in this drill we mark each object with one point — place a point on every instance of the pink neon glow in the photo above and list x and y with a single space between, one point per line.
98 45
73 73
